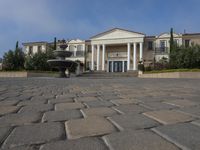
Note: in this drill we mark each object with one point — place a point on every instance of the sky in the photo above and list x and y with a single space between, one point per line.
42 20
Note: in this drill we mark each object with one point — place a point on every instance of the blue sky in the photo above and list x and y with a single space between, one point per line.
42 20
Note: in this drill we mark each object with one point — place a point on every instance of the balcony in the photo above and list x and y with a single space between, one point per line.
162 50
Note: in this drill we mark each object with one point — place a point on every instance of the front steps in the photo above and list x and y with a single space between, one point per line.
102 74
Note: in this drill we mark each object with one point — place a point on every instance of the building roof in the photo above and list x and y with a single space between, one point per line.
34 43
185 34
111 30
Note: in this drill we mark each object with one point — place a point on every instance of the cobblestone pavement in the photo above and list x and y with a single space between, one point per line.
99 114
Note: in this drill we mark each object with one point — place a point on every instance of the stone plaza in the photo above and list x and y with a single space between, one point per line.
99 114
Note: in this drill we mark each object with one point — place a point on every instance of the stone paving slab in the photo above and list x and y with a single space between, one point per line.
125 101
196 122
19 119
31 102
137 140
40 133
101 111
169 116
195 110
158 106
8 109
131 109
37 108
67 96
79 144
66 106
61 115
91 126
60 100
181 103
185 135
4 131
22 148
8 102
138 121
99 103
86 99
109 94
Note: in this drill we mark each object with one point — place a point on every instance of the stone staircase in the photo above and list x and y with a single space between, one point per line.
102 74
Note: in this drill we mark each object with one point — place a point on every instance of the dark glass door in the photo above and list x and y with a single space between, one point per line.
110 66
117 66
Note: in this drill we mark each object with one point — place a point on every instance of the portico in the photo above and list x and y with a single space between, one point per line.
116 50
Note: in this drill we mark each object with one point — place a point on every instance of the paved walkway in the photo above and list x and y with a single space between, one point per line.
99 114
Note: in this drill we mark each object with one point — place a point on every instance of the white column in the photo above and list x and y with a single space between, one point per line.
134 56
103 57
98 51
92 61
122 66
141 51
128 56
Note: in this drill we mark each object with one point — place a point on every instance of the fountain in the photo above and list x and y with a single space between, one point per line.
60 62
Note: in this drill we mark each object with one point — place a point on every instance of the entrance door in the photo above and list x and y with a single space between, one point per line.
117 66
110 66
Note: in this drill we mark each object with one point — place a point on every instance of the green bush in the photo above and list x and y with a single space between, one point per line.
182 57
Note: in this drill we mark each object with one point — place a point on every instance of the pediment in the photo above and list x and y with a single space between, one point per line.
117 34
167 35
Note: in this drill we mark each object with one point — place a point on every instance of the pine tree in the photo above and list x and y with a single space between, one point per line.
55 45
171 40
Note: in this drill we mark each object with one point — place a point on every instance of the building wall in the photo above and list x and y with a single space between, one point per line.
194 39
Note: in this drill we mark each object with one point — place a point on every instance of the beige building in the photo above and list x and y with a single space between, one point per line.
118 50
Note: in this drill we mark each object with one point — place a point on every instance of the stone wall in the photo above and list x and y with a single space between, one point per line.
26 74
172 75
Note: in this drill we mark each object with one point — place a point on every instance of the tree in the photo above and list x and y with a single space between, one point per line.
14 60
8 60
55 44
171 40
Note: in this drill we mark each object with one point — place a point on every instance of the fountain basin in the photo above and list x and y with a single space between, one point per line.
61 63
62 53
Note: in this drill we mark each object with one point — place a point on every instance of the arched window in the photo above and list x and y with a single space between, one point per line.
79 48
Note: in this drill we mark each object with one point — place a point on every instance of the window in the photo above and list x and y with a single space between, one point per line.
39 49
162 45
71 48
187 43
79 48
150 45
30 50
176 42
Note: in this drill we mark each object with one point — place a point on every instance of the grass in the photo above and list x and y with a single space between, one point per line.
172 70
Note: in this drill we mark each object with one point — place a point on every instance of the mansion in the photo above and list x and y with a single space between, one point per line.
118 50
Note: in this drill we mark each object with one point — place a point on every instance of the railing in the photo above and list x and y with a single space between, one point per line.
162 50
